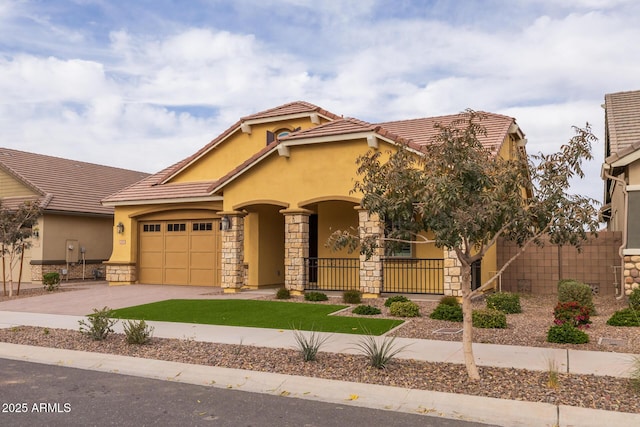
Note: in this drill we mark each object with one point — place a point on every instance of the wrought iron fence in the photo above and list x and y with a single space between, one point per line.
332 274
413 275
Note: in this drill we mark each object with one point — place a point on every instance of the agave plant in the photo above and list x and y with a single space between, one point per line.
379 352
309 345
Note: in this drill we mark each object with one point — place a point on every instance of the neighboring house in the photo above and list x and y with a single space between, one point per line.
621 172
75 233
255 206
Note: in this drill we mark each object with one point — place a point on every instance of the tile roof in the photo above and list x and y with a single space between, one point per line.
340 126
622 111
422 131
296 107
67 185
149 189
415 132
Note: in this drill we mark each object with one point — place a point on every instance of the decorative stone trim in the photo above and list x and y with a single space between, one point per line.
452 274
121 274
296 248
631 273
233 268
74 271
370 225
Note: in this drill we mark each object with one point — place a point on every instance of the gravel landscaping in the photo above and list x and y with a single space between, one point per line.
527 328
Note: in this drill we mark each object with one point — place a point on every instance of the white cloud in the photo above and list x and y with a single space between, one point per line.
30 79
549 67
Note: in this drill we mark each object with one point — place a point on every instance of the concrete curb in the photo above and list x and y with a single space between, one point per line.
454 406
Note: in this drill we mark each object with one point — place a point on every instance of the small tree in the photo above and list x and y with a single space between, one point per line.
16 227
468 197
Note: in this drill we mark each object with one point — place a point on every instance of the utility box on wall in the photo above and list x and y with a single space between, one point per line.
72 251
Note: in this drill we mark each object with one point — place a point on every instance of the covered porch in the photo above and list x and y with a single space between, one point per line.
269 244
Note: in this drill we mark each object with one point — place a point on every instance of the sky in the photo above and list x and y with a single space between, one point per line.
141 84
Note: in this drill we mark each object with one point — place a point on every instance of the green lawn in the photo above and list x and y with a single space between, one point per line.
258 314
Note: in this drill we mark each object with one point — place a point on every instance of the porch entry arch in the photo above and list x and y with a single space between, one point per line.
325 269
264 242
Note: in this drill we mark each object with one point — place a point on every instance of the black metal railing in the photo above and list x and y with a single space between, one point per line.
332 274
413 275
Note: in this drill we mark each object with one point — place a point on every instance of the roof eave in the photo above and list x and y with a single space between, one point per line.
272 119
624 160
169 200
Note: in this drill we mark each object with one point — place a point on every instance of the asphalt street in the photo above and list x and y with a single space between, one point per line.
36 394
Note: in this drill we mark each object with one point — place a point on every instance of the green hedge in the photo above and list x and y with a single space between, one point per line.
567 334
405 309
452 313
625 317
504 301
489 318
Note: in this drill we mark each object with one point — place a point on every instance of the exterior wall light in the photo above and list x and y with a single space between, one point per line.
225 223
120 228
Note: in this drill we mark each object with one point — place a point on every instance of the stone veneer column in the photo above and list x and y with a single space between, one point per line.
452 274
631 273
296 248
233 270
369 225
120 274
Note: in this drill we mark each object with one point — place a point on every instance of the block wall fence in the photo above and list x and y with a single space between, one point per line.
539 268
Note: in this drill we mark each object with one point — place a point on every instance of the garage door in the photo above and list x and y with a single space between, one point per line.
182 252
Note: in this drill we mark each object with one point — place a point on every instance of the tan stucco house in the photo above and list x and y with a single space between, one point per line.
621 174
75 233
255 206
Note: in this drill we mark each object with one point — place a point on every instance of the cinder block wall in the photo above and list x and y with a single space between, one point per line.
538 269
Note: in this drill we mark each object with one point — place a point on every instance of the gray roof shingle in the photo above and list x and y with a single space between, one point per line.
65 185
623 123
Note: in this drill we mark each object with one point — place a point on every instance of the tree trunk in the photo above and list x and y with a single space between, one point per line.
4 280
467 324
21 264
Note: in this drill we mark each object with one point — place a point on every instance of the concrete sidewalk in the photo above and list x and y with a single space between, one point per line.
64 310
503 356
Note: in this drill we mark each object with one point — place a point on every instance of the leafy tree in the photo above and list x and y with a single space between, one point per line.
467 197
15 230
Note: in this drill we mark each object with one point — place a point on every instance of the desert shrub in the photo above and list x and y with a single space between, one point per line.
283 293
405 309
567 334
51 281
452 313
315 296
309 345
366 310
625 317
379 353
449 300
634 299
352 297
571 312
137 332
572 290
98 325
504 301
395 298
562 282
489 318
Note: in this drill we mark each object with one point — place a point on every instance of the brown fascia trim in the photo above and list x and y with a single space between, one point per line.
63 261
76 213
